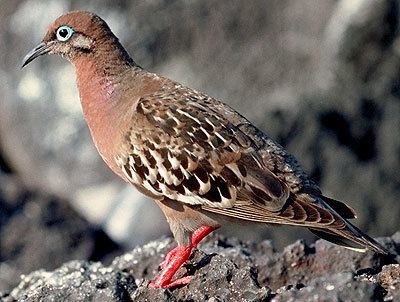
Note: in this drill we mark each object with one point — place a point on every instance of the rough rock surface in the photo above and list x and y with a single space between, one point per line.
225 269
41 231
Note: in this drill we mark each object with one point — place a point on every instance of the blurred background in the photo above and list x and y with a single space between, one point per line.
320 77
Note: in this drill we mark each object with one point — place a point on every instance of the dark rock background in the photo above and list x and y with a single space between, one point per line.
320 77
42 231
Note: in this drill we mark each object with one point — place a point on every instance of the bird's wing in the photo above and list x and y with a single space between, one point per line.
179 147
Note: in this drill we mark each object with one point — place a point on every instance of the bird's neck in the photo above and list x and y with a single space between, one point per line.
109 88
99 81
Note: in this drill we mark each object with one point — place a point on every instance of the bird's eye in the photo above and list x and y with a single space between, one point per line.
64 33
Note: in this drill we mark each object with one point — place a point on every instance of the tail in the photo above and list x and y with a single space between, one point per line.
325 217
349 236
351 239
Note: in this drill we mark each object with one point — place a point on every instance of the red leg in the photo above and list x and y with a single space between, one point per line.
197 236
200 233
175 258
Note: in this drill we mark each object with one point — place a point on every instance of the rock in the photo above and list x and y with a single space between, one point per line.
41 231
389 279
76 281
225 269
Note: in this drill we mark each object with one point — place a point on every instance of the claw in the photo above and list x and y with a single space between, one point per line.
168 258
176 258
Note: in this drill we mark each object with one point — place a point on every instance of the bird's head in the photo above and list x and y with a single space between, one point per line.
75 34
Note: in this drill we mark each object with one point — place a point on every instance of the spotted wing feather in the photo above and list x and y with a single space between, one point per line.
182 149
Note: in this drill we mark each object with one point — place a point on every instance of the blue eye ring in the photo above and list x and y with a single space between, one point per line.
64 33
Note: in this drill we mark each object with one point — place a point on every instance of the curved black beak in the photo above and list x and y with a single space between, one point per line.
39 50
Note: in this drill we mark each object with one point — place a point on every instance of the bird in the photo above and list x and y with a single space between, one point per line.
201 161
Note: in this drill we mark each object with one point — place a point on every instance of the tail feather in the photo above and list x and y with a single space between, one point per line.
350 237
334 238
340 207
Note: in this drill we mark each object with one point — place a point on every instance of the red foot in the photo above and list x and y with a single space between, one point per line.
174 260
180 255
168 258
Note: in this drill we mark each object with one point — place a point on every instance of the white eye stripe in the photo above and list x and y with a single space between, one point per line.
64 33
